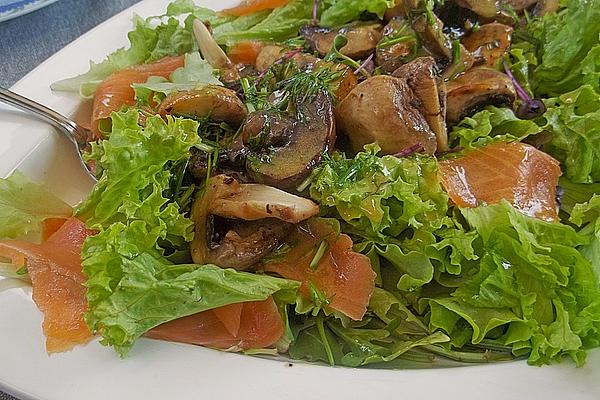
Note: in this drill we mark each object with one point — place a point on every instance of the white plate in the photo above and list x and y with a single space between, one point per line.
159 370
12 9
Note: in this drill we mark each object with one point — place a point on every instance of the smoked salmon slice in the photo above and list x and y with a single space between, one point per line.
517 172
115 91
252 6
345 278
231 317
260 326
50 226
54 268
245 52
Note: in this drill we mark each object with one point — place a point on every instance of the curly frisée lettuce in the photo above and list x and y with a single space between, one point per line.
532 281
490 278
131 286
380 197
133 168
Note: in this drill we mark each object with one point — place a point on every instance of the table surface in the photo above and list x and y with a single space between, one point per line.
24 45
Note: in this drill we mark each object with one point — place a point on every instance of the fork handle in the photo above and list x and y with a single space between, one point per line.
40 110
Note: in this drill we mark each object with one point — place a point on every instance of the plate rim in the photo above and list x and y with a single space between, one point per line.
25 9
22 394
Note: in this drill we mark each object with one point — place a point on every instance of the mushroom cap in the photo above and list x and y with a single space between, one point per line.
291 145
247 243
273 211
489 43
476 88
484 8
383 109
422 77
389 55
362 38
215 102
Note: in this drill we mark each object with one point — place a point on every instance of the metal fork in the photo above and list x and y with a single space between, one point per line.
77 134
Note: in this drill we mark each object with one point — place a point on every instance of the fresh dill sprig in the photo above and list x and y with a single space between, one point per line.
346 171
305 85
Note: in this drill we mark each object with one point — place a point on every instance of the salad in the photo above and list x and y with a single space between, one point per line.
354 182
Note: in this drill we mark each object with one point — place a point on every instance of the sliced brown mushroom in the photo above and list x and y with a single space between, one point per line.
439 45
216 102
475 89
268 55
433 36
499 10
213 53
271 54
489 43
253 201
270 212
383 109
362 38
285 147
422 77
246 243
398 45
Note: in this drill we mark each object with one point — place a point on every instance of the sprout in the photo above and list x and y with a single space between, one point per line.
529 108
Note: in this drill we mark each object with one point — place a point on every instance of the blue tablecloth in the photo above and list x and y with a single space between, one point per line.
27 41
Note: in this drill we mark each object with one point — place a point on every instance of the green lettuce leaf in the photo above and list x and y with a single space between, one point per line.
380 197
232 31
21 209
566 46
280 24
575 193
574 122
532 289
133 163
493 123
339 12
587 216
132 289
